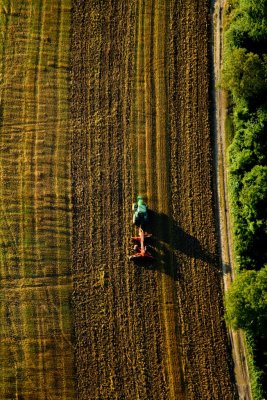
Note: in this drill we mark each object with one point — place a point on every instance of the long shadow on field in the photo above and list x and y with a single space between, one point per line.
167 237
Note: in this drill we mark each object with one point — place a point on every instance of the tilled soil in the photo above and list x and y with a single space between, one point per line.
140 124
203 339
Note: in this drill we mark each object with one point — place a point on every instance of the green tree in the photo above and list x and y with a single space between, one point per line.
246 301
255 18
253 198
249 146
244 74
236 34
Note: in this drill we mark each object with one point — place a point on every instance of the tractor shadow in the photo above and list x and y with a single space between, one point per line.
168 237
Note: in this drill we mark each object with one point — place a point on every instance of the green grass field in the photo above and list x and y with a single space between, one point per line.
36 352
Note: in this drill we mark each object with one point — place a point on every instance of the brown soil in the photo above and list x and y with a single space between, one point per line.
140 124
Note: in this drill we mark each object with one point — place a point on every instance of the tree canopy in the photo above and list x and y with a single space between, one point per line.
244 73
253 198
246 301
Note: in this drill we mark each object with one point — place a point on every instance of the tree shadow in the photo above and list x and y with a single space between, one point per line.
168 237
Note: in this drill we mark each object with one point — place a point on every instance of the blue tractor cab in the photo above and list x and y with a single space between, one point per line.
140 214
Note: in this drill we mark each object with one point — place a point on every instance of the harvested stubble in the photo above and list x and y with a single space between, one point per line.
36 353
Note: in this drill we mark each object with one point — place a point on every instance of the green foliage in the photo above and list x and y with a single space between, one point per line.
247 159
231 8
248 212
246 23
246 301
246 308
241 159
240 113
249 146
255 17
253 198
236 34
229 129
244 74
247 156
255 373
255 136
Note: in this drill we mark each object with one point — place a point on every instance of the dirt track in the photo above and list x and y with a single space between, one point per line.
141 125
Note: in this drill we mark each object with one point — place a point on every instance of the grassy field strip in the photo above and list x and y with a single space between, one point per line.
151 111
38 177
143 287
63 170
140 133
25 204
149 92
145 185
27 164
160 68
10 327
9 226
35 132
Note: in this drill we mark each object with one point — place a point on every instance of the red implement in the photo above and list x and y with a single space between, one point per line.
142 252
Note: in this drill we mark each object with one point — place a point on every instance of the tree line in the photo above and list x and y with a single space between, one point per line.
244 76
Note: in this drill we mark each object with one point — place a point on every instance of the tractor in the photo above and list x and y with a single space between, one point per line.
140 219
140 214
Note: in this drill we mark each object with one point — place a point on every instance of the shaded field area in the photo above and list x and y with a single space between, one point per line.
36 352
140 125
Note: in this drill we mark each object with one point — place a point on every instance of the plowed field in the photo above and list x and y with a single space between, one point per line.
140 124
